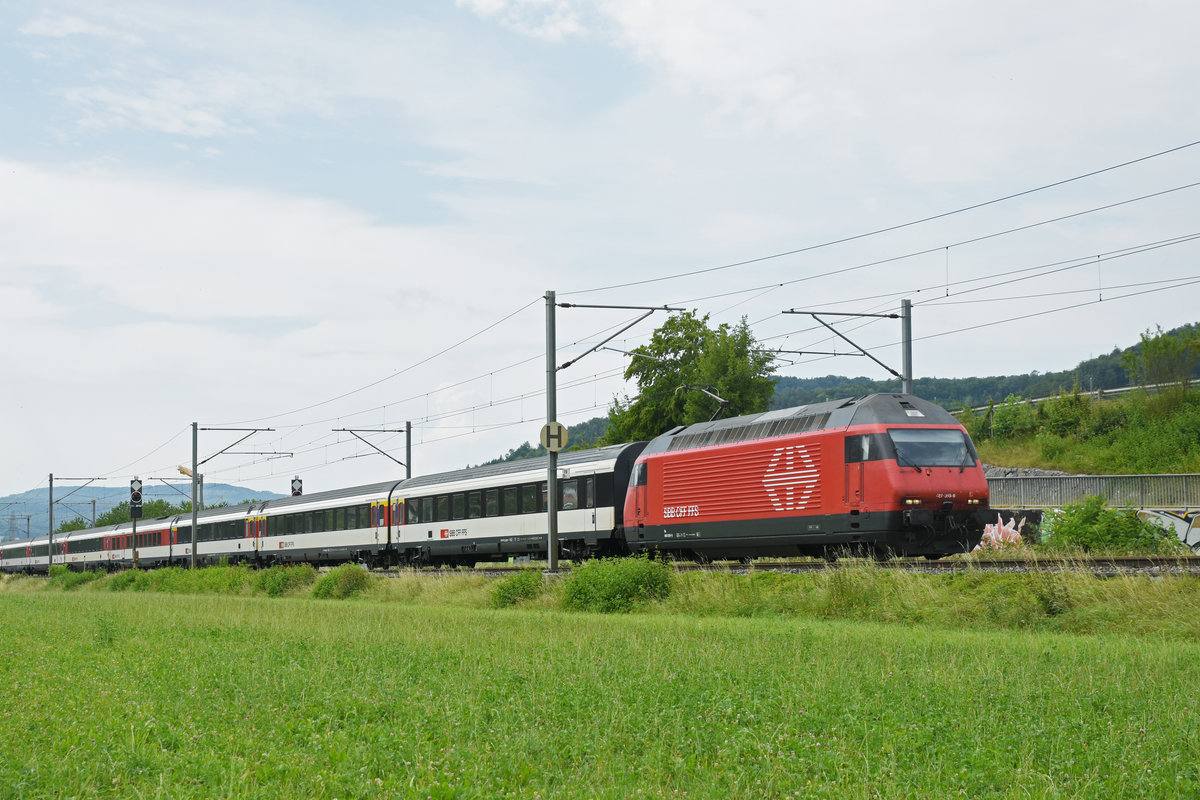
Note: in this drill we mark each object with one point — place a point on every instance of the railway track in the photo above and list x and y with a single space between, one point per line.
1106 566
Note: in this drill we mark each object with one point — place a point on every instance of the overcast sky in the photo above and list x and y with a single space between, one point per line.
310 216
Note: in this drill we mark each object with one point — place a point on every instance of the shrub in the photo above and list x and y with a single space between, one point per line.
341 582
616 584
527 584
1089 526
136 580
1014 419
1106 419
281 579
1067 414
63 577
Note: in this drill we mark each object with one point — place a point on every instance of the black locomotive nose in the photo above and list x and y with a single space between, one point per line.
947 507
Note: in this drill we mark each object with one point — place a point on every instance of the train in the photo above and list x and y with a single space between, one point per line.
884 474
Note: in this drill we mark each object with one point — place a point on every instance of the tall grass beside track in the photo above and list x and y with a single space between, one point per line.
857 682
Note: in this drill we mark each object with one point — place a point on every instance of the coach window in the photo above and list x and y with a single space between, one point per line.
491 503
339 519
570 495
443 508
458 504
510 504
589 492
529 499
545 494
412 511
474 505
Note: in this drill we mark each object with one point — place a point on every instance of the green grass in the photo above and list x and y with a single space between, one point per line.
1133 434
139 695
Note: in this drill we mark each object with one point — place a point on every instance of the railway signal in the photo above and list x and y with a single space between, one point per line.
297 486
135 499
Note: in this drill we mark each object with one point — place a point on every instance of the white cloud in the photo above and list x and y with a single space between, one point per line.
65 26
550 20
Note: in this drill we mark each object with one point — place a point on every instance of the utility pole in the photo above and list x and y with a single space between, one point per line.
195 472
407 463
551 415
906 382
50 538
554 433
905 317
197 485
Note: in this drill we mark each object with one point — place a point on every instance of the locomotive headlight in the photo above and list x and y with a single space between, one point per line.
974 501
912 501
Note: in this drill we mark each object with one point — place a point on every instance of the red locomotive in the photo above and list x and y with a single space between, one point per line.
885 473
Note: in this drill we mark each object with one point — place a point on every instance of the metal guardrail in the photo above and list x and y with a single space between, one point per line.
1127 491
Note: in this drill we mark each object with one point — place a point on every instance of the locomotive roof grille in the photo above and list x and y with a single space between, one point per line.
865 410
754 430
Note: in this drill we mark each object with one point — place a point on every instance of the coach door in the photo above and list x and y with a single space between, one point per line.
255 528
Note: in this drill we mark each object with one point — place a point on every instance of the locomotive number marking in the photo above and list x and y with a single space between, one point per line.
675 512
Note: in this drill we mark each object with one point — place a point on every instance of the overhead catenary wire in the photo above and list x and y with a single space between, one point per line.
889 229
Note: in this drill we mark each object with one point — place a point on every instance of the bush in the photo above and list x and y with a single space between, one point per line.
1014 419
1089 526
135 580
63 577
527 584
341 582
1067 414
280 579
616 584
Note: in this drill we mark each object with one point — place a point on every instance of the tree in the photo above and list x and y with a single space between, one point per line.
1163 358
77 524
683 357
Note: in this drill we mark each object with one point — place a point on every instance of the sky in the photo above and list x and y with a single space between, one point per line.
313 216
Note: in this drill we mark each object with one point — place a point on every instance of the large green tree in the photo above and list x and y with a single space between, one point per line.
678 371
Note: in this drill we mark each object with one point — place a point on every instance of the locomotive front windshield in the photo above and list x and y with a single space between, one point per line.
932 447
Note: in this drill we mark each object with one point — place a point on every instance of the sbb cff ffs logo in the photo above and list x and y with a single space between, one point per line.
135 499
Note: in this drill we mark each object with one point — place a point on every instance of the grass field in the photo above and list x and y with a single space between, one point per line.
176 696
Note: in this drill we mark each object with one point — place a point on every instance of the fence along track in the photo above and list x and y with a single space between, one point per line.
1120 491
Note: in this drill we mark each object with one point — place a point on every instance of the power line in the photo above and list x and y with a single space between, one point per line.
386 378
883 230
940 248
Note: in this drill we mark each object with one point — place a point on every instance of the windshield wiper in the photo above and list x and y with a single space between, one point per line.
900 457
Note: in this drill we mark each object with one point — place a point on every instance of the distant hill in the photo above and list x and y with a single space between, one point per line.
72 501
1102 372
